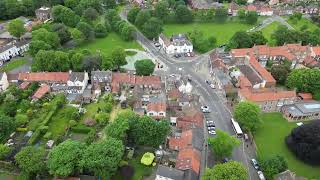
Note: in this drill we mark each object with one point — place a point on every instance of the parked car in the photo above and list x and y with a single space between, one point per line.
212 86
255 164
205 109
211 128
261 176
225 160
208 82
177 55
211 125
212 132
156 44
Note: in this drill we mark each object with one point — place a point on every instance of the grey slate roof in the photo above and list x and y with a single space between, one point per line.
197 138
170 173
77 76
105 76
190 175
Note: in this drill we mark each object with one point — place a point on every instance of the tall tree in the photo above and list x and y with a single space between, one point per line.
280 73
221 15
118 128
231 170
161 10
144 67
64 159
273 165
100 30
118 56
86 30
110 4
50 38
251 17
103 158
240 39
31 160
16 28
152 28
7 125
132 14
62 32
183 14
258 38
77 36
90 14
142 17
223 144
248 115
65 15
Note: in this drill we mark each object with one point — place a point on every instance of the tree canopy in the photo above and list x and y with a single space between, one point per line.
280 73
118 57
144 67
248 115
304 142
273 165
65 15
183 14
7 126
152 28
231 170
223 144
31 160
221 15
304 80
16 28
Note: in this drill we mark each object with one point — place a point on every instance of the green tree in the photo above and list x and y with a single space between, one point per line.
110 4
77 36
248 115
240 39
103 158
273 165
161 10
200 42
21 119
86 30
231 170
100 30
183 14
65 15
102 118
258 38
64 159
118 56
62 32
223 144
280 73
71 3
144 67
241 14
241 2
51 61
7 125
142 131
90 14
50 38
251 17
132 14
152 28
31 160
221 15
304 80
142 17
16 28
36 46
4 151
118 128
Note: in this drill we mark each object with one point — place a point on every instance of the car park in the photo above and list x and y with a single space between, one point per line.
261 176
205 109
255 164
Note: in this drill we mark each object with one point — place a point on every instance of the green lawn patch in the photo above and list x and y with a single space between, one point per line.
297 25
109 43
131 53
268 30
13 64
223 32
270 140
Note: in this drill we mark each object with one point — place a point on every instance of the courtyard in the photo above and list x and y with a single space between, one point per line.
270 140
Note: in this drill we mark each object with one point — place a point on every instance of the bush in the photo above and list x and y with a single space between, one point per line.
91 136
102 118
304 142
21 119
22 129
4 151
72 123
80 129
47 136
273 165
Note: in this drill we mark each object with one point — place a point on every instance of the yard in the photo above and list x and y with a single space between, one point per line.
109 43
297 25
13 64
223 32
270 141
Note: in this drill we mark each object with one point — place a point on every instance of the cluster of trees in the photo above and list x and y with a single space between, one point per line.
201 43
144 67
248 115
273 165
51 60
295 17
305 80
283 35
242 39
303 141
250 17
281 71
71 157
226 171
138 130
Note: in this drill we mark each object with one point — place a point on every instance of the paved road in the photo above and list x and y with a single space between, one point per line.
272 19
220 113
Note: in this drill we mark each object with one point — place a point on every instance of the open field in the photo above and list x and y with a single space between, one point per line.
109 43
268 30
223 32
270 140
311 26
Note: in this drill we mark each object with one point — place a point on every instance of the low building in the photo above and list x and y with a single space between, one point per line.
176 44
4 83
41 91
43 13
168 173
309 110
101 81
204 4
188 160
9 50
193 138
156 110
77 82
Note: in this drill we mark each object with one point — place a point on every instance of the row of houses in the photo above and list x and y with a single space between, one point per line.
10 49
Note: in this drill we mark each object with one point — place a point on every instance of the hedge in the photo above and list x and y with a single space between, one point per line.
80 129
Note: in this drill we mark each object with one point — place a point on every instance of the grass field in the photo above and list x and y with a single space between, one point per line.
223 32
303 21
13 64
270 141
109 43
267 31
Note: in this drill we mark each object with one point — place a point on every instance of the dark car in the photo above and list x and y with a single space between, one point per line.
255 164
177 55
225 160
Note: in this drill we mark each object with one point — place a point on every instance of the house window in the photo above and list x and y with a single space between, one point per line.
151 114
161 114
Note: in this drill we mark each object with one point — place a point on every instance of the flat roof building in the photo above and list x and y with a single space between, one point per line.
309 110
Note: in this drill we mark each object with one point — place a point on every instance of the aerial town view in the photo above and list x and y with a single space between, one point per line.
159 90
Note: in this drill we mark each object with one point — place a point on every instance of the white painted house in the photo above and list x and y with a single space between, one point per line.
77 82
12 49
4 83
176 44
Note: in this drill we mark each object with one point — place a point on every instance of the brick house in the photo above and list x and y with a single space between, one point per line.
156 110
43 13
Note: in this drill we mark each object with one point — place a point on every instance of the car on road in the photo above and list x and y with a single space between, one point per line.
212 86
255 164
177 55
211 128
212 132
261 176
156 44
205 109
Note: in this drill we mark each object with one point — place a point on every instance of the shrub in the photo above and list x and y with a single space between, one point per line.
4 151
80 129
22 129
21 119
72 123
90 122
48 135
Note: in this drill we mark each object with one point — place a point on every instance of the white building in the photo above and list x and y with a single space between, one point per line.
77 82
4 83
12 49
176 44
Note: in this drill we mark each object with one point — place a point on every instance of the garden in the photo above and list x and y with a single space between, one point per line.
13 64
302 24
270 141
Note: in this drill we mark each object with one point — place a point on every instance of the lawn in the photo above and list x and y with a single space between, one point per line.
268 30
303 21
109 43
13 64
223 32
270 141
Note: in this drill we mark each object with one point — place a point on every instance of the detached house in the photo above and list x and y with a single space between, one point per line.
176 44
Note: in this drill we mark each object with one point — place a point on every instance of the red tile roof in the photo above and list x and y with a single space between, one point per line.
316 50
262 96
45 76
24 85
261 70
189 158
244 82
189 121
182 142
251 8
174 94
41 91
305 96
157 107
